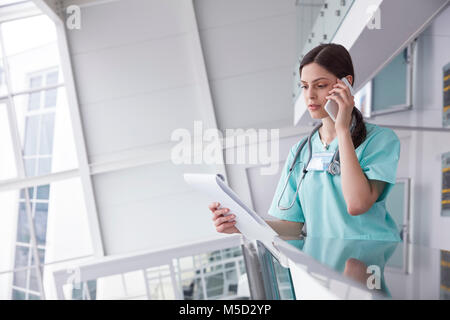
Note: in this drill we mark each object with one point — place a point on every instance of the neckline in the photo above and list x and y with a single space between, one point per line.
319 144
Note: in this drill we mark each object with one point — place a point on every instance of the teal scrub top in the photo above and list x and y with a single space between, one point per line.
320 201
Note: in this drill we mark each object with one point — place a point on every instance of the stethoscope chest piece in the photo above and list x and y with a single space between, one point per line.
334 168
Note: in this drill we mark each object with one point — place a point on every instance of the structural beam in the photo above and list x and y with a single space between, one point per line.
50 8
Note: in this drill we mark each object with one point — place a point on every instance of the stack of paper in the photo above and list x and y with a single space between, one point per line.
250 224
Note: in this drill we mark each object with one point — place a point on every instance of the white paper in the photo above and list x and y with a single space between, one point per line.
250 224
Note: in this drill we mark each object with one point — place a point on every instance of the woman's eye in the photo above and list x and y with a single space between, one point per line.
319 86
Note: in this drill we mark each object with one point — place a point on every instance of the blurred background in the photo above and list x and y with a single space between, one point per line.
92 90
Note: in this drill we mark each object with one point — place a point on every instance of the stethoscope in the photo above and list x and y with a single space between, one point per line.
334 168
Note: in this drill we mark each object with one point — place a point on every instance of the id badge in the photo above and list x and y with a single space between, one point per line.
320 161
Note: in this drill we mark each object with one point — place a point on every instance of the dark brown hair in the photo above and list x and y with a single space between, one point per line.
337 60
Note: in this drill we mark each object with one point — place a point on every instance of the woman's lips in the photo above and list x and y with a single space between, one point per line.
313 106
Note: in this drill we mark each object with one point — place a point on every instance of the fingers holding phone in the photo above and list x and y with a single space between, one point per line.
340 103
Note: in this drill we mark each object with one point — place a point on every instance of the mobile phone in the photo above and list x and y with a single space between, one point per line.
332 107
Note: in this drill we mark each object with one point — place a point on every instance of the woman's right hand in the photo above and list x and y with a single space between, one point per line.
222 223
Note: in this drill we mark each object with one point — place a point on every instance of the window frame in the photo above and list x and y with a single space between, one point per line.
22 181
410 52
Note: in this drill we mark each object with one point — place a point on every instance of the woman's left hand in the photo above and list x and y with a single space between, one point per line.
346 103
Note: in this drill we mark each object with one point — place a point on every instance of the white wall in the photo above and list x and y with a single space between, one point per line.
137 75
250 52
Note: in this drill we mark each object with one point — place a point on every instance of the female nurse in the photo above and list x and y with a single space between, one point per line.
350 205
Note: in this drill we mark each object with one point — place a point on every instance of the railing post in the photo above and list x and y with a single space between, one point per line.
147 286
175 284
254 272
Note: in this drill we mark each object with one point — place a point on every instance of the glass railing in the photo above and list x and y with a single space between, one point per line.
327 268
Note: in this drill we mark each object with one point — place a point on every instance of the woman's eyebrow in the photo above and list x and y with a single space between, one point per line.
316 79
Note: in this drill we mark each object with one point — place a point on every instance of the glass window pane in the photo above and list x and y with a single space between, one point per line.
231 275
51 78
41 253
20 278
22 259
30 45
45 165
389 85
46 134
3 88
31 135
10 2
80 293
215 285
31 55
33 280
33 297
8 168
52 137
23 228
43 192
30 193
50 95
9 208
40 222
30 167
50 98
27 34
35 82
220 280
34 101
22 256
2 79
18 295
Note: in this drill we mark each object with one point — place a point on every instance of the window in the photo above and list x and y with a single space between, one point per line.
8 165
391 89
45 223
390 85
59 224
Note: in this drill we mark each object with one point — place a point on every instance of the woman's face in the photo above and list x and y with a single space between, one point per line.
316 81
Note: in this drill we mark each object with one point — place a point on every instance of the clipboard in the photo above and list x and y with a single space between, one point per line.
248 222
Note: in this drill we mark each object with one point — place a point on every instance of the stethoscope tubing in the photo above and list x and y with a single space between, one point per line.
334 168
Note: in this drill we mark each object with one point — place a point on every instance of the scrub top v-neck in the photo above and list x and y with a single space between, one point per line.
320 201
327 148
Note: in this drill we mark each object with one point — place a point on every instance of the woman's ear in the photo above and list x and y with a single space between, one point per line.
350 79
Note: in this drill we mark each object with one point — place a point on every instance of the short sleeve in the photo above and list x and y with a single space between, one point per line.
380 159
295 213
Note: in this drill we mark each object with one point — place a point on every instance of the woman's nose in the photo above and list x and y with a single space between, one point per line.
310 95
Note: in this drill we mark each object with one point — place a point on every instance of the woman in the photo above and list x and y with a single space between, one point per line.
350 205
